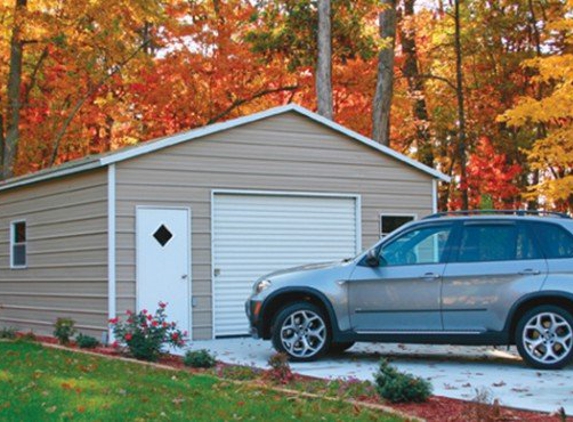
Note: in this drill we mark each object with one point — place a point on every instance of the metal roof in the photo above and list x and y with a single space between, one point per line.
102 160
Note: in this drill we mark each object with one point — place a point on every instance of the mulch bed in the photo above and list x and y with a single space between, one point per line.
436 409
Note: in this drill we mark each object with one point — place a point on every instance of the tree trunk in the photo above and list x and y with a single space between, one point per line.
411 72
541 130
385 80
324 61
2 143
14 94
461 113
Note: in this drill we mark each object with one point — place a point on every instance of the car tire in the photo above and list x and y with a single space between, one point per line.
340 347
544 337
301 331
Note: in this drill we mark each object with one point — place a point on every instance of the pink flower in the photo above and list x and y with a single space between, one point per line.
155 323
174 336
149 317
128 337
115 344
144 312
162 305
165 325
185 333
114 320
128 312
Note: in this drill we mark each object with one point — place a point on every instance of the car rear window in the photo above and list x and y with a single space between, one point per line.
556 241
496 242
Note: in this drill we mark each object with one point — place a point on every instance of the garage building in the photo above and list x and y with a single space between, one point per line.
195 218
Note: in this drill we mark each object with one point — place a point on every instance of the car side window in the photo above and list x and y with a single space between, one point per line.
555 241
424 245
496 242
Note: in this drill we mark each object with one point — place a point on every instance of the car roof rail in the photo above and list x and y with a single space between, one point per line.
521 213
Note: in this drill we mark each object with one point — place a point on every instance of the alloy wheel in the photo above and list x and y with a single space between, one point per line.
303 334
547 337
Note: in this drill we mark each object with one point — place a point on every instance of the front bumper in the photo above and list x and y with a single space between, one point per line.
252 309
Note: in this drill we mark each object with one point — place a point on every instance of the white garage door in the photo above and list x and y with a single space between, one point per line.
256 234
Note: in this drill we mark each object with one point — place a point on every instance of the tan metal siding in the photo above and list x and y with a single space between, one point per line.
282 153
66 276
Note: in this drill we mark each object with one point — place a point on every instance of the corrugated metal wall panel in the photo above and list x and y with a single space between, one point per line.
256 234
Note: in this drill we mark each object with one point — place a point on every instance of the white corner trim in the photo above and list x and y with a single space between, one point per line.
358 210
434 196
111 246
212 234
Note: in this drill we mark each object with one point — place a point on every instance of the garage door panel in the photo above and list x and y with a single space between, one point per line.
257 234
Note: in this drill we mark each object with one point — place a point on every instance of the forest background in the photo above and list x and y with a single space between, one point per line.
481 90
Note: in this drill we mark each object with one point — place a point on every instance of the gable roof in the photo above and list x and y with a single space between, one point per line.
103 160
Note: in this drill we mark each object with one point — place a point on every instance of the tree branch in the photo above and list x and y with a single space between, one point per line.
438 78
238 103
34 76
110 72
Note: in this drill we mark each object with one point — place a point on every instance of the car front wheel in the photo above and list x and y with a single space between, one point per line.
544 337
301 331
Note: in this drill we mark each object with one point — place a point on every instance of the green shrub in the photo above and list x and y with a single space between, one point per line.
86 342
280 368
64 330
28 336
8 332
145 334
398 387
199 359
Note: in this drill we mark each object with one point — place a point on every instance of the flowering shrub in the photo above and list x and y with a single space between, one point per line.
145 334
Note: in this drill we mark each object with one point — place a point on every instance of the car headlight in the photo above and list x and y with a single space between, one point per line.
261 285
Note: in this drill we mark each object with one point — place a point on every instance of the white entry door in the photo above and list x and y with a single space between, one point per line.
163 262
254 234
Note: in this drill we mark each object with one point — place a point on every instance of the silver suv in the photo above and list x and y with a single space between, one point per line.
468 278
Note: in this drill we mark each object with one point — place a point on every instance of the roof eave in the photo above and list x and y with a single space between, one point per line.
215 128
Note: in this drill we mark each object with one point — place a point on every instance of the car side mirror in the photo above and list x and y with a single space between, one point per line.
372 258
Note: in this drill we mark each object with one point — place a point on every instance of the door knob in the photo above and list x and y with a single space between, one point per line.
430 276
184 277
530 271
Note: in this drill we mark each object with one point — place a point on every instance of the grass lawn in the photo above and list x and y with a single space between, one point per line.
38 383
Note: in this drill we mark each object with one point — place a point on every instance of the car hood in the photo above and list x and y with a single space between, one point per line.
305 268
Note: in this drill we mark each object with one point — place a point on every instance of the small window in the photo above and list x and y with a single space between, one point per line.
18 244
496 242
390 222
555 241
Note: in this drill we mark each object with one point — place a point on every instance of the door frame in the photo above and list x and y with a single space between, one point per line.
358 216
189 255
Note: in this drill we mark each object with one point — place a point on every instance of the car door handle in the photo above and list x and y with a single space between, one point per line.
430 276
530 271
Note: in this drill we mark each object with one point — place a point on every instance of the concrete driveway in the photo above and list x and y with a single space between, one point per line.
454 371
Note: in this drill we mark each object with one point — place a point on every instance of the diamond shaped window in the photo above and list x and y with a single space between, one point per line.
162 235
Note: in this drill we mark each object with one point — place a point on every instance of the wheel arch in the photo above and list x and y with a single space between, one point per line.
557 298
279 299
